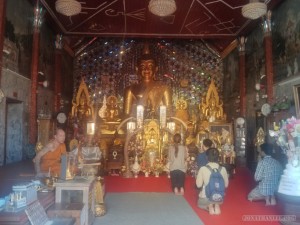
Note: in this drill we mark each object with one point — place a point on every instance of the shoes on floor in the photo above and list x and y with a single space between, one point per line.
217 209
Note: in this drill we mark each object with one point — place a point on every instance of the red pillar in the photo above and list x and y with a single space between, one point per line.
268 56
57 82
34 75
2 30
242 75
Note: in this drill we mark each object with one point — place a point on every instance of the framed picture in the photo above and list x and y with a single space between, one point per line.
221 133
297 99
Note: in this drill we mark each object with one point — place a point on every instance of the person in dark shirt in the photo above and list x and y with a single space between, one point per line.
202 157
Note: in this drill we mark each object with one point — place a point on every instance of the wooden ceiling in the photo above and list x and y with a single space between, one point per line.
217 22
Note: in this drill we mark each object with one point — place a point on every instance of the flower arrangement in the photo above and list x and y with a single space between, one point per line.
145 165
287 136
158 165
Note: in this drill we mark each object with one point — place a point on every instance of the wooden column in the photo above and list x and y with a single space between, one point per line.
57 81
268 56
2 30
242 74
34 76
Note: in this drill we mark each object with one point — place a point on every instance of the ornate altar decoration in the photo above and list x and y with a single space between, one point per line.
82 110
181 110
211 108
147 142
115 156
213 125
109 119
259 140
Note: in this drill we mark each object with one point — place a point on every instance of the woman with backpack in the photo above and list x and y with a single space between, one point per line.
177 156
213 179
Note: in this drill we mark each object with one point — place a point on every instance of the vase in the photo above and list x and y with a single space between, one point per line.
146 174
100 210
156 174
136 167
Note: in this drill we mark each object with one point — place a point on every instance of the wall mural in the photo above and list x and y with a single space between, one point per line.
18 29
188 66
286 40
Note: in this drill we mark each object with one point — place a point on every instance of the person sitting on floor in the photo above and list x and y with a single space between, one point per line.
267 173
47 161
202 157
203 179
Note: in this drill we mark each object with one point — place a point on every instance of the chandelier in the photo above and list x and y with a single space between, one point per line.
162 7
254 9
68 7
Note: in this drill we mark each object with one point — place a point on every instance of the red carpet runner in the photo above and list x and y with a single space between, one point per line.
234 209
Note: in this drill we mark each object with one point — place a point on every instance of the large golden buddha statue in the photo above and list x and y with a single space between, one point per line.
149 93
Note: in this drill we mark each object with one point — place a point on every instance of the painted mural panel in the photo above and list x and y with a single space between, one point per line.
14 133
286 40
18 29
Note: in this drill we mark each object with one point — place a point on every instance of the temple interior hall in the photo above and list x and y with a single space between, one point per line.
94 94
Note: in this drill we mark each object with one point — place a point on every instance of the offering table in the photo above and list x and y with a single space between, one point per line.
78 190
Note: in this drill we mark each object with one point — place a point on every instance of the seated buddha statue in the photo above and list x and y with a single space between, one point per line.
112 111
82 111
211 106
213 112
148 93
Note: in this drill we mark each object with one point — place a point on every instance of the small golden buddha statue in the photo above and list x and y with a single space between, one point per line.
112 110
212 112
190 134
82 106
211 107
181 110
149 93
83 110
202 133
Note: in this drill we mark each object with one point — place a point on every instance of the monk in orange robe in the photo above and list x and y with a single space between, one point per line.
48 159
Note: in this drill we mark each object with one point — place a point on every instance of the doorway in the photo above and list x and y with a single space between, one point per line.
13 132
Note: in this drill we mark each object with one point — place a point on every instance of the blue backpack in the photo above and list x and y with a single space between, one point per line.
215 189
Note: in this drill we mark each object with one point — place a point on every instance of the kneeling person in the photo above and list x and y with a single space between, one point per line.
210 199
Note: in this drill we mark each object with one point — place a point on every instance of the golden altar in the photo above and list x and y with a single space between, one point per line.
213 125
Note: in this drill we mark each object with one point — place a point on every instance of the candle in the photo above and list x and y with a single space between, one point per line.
130 126
163 116
49 172
140 116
